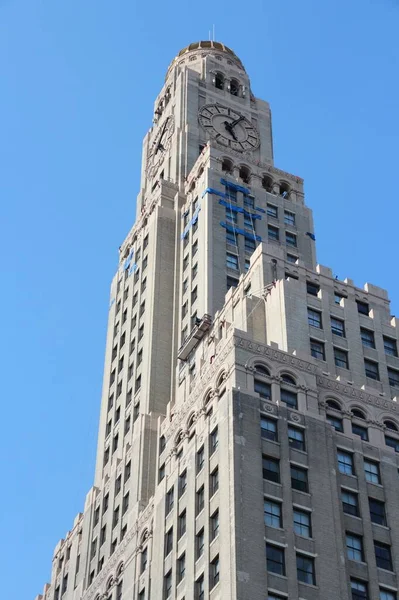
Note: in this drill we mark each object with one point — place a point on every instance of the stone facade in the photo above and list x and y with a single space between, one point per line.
249 427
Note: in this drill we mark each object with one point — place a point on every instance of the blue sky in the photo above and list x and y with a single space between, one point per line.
78 80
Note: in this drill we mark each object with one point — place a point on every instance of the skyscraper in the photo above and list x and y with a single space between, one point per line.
249 427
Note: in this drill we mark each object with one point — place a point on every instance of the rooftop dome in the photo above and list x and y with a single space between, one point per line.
207 45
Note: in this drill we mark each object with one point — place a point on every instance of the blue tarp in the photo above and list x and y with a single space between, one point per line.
246 234
238 209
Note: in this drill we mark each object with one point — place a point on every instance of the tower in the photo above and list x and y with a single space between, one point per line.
248 429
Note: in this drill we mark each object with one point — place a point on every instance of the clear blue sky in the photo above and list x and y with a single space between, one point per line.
78 79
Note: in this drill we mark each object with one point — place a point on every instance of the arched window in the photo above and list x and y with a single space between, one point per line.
244 174
288 379
162 444
358 413
284 189
119 570
219 81
267 183
262 370
234 87
110 583
391 425
333 404
227 165
191 421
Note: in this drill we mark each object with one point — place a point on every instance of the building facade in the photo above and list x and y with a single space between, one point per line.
249 430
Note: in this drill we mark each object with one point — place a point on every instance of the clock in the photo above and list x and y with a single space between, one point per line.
160 145
229 127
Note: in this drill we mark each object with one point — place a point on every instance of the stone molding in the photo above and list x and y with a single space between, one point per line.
356 394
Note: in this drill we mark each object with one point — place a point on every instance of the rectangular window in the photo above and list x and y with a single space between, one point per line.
371 369
317 349
338 298
161 472
144 560
214 529
387 595
289 398
390 346
213 441
231 282
249 244
268 429
181 524
169 501
362 308
125 503
115 443
289 218
232 261
392 442
275 559
341 358
231 238
359 590
393 377
214 482
247 264
200 459
168 585
272 513
215 572
383 556
305 569
314 318
350 503
345 463
181 568
367 337
200 500
377 512
272 211
249 223
360 431
200 589
354 547
290 239
115 519
182 482
168 541
263 389
312 288
291 258
299 479
372 471
335 422
231 194
231 216
271 469
338 327
296 438
194 294
273 233
199 544
302 523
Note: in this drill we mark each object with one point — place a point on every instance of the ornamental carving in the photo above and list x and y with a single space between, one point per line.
277 355
357 394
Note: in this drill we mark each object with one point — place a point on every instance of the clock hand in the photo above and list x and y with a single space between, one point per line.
234 123
229 128
159 145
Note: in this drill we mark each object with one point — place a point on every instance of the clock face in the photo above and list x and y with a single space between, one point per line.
229 127
157 149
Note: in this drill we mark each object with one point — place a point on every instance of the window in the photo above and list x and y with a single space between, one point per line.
338 327
271 469
354 547
371 369
214 441
93 548
161 472
169 501
367 337
317 350
291 258
273 233
115 519
200 500
199 544
234 91
168 585
105 503
350 503
387 595
231 282
106 456
215 572
115 443
125 503
181 568
290 239
263 389
249 244
359 590
314 318
249 201
219 82
200 589
360 431
182 482
392 442
249 223
296 438
345 463
231 193
200 459
194 248
390 346
383 556
362 308
275 559
391 425
231 216
272 211
305 569
335 422
274 597
289 398
393 377
247 264
118 485
372 471
231 238
302 523
338 298
137 384
232 261
377 512
289 218
168 541
272 513
143 560
268 429
312 288
214 482
299 479
214 530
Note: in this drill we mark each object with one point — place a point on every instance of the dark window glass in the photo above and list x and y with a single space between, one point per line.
371 369
383 556
392 442
299 479
263 389
350 503
296 438
337 327
390 346
367 337
289 398
271 469
362 307
312 288
275 559
302 523
336 422
360 431
359 590
314 318
317 349
354 547
393 377
377 512
372 471
268 428
305 569
272 513
345 463
341 358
